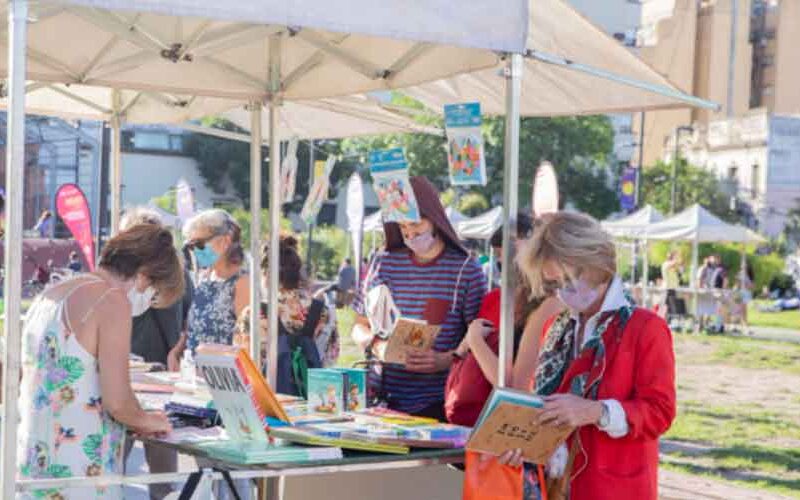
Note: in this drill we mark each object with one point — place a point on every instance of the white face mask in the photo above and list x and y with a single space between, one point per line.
141 301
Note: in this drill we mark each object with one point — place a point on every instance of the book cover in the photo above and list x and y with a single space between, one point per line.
510 420
409 334
389 170
257 452
465 155
355 388
326 390
306 436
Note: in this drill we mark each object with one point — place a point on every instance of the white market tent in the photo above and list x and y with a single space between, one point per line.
270 51
635 225
481 227
374 222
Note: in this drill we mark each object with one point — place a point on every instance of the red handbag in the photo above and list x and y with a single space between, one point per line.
467 390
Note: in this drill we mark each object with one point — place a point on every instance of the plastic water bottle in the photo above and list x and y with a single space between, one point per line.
188 370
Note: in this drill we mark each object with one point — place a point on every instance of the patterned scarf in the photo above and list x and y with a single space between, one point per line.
558 349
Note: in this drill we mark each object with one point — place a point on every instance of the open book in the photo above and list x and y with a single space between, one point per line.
509 421
408 334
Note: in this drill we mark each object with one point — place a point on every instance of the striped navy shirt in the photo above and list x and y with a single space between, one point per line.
457 284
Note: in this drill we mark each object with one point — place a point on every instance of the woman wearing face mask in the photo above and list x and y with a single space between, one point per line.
429 277
606 368
221 288
76 397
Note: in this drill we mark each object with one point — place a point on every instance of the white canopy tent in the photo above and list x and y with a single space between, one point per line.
481 227
635 225
374 222
273 51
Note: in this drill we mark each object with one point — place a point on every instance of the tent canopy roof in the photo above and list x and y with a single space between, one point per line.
634 225
481 227
698 224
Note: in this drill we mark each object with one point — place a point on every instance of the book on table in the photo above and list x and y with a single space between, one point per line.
510 420
408 334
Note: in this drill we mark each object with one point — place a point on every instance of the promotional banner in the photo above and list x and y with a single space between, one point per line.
319 191
289 172
73 208
184 200
390 179
545 190
465 157
627 190
355 218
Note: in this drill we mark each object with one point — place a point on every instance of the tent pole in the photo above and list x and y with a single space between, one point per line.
693 277
255 231
513 75
645 271
116 163
490 277
15 172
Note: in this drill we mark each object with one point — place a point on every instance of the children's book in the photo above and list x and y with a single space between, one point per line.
390 179
326 390
465 156
307 436
409 334
509 420
258 452
355 388
241 395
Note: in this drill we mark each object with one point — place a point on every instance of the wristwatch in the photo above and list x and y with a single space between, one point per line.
605 416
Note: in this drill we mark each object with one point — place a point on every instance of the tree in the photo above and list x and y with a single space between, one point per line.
694 185
791 230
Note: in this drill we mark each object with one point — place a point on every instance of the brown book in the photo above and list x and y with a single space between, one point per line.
409 334
510 426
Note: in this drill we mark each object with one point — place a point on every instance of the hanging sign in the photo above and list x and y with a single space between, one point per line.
627 190
355 217
545 190
465 156
73 208
184 200
289 172
319 191
389 171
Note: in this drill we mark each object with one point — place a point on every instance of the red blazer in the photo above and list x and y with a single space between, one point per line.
640 374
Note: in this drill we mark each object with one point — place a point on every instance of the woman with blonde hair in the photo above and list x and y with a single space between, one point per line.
76 398
606 367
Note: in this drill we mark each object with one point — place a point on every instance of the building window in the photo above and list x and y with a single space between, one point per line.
755 180
733 173
150 141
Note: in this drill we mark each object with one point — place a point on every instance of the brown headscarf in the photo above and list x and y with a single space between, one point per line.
430 207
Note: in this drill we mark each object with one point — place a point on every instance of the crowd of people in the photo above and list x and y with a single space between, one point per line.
603 365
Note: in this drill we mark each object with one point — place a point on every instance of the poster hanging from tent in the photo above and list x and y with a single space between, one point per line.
184 200
627 190
389 170
73 208
545 190
319 191
465 157
289 172
355 218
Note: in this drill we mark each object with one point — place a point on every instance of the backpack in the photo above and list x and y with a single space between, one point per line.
297 352
467 389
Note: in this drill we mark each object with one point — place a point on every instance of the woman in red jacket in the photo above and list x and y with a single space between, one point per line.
606 367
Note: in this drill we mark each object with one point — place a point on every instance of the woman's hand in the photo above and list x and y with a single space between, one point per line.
154 424
478 331
571 410
175 354
430 361
511 457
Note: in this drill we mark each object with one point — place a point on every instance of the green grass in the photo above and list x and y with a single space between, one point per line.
350 353
744 352
784 319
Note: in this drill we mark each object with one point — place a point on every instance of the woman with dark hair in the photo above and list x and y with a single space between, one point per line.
76 397
429 276
474 373
221 288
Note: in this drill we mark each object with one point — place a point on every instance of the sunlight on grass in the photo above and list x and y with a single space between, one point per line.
784 319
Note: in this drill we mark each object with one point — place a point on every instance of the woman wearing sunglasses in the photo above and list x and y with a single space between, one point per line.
606 367
221 289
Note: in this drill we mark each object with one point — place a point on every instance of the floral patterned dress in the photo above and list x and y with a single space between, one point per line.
212 316
64 430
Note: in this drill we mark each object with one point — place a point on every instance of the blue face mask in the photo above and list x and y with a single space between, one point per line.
206 257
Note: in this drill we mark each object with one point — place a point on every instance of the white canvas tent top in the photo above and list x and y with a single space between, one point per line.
635 225
699 225
481 227
374 222
561 72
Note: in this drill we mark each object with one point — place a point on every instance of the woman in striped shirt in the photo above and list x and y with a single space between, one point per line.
430 277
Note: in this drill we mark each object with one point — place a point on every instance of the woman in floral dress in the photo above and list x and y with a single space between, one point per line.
76 397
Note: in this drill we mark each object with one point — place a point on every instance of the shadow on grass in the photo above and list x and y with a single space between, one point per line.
788 459
730 474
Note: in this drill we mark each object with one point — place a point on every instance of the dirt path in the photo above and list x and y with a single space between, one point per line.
677 486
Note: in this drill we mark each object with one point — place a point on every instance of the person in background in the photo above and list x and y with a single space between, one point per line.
429 276
704 273
76 397
74 264
606 368
719 275
155 333
671 270
221 289
346 284
744 291
474 373
44 226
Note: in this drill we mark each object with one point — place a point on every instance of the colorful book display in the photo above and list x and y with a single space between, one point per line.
241 395
509 421
355 388
409 334
257 452
389 171
309 436
465 156
336 390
